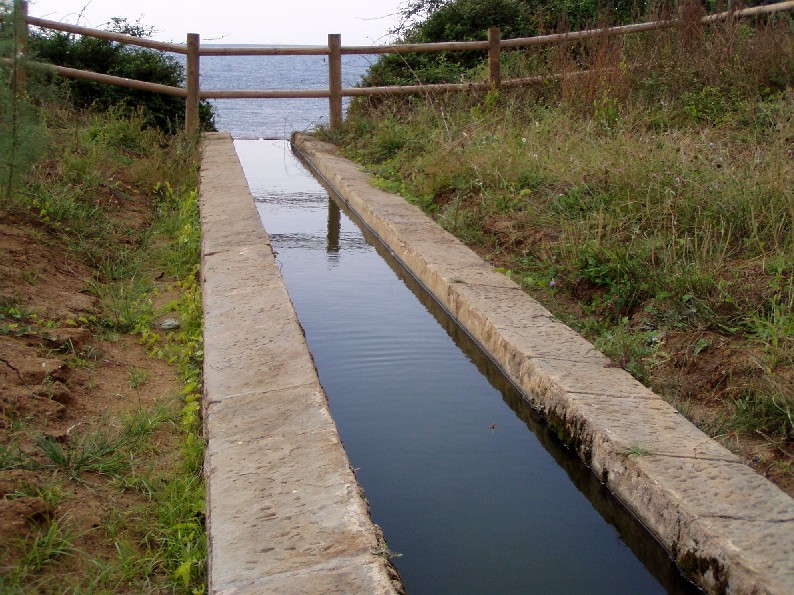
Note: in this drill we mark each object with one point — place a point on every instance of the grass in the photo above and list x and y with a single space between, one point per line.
648 207
50 493
95 165
51 546
97 452
100 451
119 200
138 377
773 327
637 451
11 456
169 527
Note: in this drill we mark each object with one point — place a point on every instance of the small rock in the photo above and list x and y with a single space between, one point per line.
169 324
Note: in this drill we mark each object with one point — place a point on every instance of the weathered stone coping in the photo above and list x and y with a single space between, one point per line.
728 528
284 511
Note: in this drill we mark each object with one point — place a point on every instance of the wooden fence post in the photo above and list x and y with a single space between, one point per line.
192 84
20 46
494 56
335 79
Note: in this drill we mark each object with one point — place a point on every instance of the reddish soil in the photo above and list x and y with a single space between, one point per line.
59 379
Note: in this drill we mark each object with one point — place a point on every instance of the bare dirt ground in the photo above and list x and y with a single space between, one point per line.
60 379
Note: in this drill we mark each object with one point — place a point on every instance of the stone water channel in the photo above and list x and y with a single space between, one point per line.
472 489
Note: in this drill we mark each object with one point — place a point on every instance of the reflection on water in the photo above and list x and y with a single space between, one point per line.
334 228
468 484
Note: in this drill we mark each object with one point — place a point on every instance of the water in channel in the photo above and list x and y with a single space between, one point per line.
468 485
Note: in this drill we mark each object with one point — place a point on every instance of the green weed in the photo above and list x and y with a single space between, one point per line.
50 493
49 547
12 457
125 306
384 552
138 377
177 217
13 310
85 358
633 349
774 328
770 413
97 452
140 423
178 533
30 277
637 451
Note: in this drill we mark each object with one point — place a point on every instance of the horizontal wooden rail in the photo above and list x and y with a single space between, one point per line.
453 46
414 89
471 86
96 77
407 48
749 12
521 42
404 90
119 81
641 27
98 33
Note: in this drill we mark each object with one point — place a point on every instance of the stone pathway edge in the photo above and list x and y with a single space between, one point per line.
285 513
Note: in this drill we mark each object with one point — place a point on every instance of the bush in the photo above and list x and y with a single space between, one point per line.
469 20
107 57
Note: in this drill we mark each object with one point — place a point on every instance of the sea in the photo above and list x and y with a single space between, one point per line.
274 118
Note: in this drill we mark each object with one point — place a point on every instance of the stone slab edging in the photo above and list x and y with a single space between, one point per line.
284 511
728 528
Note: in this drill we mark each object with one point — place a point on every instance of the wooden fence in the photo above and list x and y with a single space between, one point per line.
334 51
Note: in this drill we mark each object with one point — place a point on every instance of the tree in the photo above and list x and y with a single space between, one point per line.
21 135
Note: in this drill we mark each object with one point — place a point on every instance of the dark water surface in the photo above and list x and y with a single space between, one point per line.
467 483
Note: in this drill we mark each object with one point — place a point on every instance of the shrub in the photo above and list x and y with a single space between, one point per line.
108 57
469 20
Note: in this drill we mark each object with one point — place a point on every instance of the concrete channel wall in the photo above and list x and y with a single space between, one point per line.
284 511
728 528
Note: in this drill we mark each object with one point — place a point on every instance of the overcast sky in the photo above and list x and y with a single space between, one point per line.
292 22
